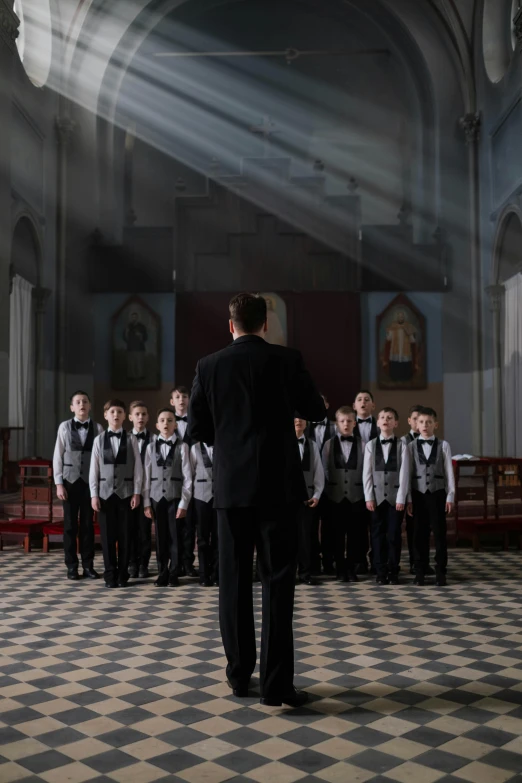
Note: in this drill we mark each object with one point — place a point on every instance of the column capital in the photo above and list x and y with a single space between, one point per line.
517 26
470 124
496 295
64 129
9 24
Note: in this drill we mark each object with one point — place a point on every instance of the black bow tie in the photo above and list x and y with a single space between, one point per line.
300 440
140 435
428 442
181 418
164 440
415 435
81 425
364 421
349 438
114 434
390 440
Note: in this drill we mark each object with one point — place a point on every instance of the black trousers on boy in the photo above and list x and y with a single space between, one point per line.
306 524
350 527
166 526
274 534
206 524
114 520
78 507
140 539
189 537
326 515
429 515
386 539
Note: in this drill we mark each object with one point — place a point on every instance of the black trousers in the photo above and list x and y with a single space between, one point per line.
78 507
140 539
114 532
274 534
365 550
306 525
166 534
350 526
411 549
206 524
189 536
326 515
429 515
386 539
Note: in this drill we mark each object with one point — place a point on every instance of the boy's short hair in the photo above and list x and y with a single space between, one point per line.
248 312
365 391
415 409
345 410
77 393
114 404
166 409
138 404
390 410
424 411
180 390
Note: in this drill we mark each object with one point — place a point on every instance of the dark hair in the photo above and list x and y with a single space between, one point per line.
365 391
390 410
248 312
76 394
415 409
345 410
428 412
114 404
180 390
138 404
165 410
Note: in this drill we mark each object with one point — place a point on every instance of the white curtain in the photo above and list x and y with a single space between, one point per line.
512 380
20 363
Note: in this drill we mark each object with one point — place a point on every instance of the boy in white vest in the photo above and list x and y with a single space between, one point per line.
167 491
432 495
313 473
201 461
386 477
115 480
343 467
71 465
366 429
140 544
179 399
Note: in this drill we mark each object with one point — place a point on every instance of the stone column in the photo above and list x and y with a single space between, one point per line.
9 24
41 408
470 124
64 130
496 295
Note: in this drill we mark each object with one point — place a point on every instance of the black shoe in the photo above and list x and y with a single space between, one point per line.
215 581
419 580
181 570
441 580
343 578
382 580
428 571
394 580
90 573
352 577
372 571
133 572
206 582
162 580
173 581
143 573
73 574
111 584
293 699
191 571
123 583
241 691
309 580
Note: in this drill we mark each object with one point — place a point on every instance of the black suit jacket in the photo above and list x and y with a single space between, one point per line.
243 401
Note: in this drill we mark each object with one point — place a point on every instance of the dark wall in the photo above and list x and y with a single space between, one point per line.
325 327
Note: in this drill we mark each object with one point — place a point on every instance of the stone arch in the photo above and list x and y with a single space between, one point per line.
26 247
507 250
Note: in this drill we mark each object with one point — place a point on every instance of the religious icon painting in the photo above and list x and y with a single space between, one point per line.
136 347
401 346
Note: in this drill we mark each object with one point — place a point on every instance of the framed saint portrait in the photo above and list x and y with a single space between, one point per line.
401 346
136 347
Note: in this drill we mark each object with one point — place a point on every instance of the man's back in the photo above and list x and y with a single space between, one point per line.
244 400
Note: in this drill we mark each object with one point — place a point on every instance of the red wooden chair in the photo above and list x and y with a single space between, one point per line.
56 529
36 487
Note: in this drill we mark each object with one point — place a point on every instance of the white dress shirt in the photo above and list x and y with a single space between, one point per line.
141 441
365 428
97 455
316 467
186 469
59 448
448 466
182 427
404 472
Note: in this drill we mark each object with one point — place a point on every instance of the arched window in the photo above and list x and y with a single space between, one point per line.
497 32
35 39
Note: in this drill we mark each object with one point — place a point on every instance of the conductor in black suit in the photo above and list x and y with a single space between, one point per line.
244 399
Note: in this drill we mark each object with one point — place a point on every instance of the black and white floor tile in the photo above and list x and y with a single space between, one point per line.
407 684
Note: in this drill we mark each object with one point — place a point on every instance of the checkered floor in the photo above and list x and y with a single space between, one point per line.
407 684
